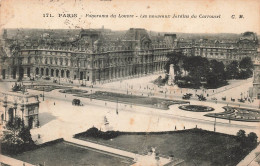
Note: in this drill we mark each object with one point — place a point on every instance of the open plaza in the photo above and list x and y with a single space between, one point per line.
60 119
139 98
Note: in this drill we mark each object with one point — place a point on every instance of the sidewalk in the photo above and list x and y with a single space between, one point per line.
252 159
12 161
139 159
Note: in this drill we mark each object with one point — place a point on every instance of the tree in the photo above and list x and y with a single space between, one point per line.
246 68
232 70
252 139
217 67
196 64
246 63
242 139
198 68
216 75
241 134
174 58
25 135
16 138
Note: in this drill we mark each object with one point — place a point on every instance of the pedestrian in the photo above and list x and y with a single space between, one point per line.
54 103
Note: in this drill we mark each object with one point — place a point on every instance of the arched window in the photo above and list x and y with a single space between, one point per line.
47 72
57 73
67 73
37 71
52 72
62 73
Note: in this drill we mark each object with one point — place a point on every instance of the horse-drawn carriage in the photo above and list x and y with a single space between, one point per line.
187 96
77 102
201 98
241 100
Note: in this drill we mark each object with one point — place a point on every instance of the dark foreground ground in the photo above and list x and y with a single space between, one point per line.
65 154
195 146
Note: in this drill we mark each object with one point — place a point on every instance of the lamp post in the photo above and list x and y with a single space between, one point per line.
91 95
15 107
117 106
215 124
42 93
22 109
5 105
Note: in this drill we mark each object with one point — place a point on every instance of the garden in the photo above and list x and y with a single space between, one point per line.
196 108
64 153
46 88
132 99
73 91
237 114
201 72
195 146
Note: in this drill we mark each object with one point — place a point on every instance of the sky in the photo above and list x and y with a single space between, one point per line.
30 14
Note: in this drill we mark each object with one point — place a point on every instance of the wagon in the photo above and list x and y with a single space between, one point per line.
77 102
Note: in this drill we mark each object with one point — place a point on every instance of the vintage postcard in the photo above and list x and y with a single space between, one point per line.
129 82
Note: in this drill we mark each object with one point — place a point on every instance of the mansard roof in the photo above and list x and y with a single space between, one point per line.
136 34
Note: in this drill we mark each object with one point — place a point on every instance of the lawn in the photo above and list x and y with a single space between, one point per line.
46 88
73 91
196 108
195 146
132 99
64 154
238 114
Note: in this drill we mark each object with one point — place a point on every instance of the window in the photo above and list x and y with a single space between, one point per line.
66 62
30 111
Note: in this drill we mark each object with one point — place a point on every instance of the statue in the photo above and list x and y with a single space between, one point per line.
171 75
106 127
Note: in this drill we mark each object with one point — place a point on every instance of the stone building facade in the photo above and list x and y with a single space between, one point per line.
26 107
256 81
93 57
98 56
222 50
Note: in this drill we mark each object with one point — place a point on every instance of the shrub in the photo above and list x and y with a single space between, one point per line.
95 133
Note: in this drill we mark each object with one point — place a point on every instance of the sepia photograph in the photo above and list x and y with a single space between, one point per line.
129 83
